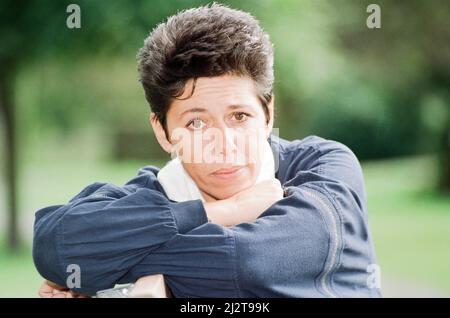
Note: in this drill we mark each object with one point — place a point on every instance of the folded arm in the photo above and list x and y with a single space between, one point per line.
297 247
314 242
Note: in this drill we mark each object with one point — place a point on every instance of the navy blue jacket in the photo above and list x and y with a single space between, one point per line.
315 242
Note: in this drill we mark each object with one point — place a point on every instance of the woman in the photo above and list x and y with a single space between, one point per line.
238 212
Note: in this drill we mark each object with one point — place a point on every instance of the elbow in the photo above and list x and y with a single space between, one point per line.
44 248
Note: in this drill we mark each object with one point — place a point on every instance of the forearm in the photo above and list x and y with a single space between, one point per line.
106 234
245 206
222 212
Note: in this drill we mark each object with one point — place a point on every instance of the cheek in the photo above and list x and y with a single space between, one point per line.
195 170
253 149
199 173
253 168
187 145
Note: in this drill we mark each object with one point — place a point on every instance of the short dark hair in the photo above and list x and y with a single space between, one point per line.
207 41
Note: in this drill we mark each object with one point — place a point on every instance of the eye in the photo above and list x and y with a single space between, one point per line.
240 116
196 124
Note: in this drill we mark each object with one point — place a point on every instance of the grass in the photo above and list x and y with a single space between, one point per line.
410 223
17 273
43 182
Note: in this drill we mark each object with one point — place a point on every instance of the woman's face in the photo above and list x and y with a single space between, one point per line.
219 133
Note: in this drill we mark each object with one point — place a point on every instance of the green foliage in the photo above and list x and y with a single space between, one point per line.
409 221
382 92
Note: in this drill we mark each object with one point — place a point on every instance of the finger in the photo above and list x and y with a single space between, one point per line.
45 294
56 291
45 291
77 295
55 286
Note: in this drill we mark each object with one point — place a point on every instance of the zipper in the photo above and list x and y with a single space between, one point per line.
335 241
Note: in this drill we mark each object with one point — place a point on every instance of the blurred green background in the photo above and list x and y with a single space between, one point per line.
72 112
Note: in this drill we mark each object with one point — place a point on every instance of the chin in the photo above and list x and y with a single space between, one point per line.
222 193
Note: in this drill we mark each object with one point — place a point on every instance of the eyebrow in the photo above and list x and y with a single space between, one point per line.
193 110
204 110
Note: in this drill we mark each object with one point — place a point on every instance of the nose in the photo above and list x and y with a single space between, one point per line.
229 147
229 141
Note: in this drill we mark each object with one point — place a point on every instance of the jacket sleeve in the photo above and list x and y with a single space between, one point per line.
106 229
312 243
316 241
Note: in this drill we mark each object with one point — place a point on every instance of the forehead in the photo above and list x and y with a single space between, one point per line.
216 92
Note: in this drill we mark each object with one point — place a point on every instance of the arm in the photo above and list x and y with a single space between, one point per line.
313 243
107 229
296 233
245 206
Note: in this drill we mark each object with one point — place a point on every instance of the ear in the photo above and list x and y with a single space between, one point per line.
160 133
270 107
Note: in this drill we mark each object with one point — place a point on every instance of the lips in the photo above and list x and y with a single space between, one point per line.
227 173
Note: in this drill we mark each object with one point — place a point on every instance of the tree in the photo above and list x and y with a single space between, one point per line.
409 55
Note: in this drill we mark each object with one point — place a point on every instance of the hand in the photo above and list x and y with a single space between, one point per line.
151 286
52 290
245 206
253 201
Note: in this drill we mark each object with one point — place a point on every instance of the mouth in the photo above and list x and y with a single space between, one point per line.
228 173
